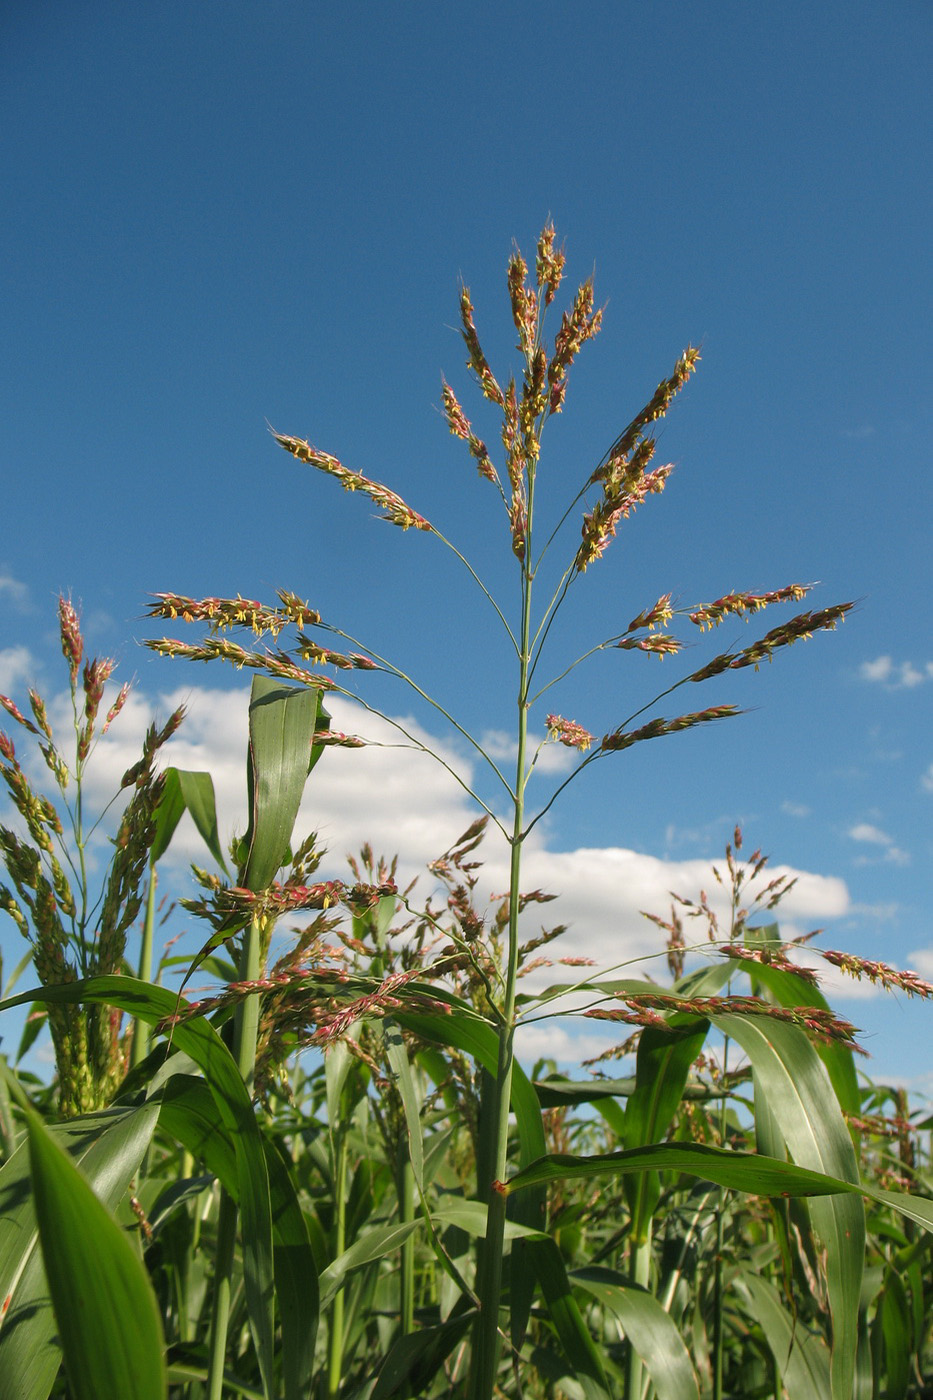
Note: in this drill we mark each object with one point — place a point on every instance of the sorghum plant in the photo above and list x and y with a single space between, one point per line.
618 484
75 932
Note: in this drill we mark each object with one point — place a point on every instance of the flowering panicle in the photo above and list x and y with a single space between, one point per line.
549 264
219 649
396 511
772 956
460 426
569 733
477 361
578 325
622 739
656 408
878 972
645 1008
622 492
223 613
802 626
745 604
524 306
72 641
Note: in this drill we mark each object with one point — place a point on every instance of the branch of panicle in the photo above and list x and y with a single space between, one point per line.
878 973
396 510
649 1008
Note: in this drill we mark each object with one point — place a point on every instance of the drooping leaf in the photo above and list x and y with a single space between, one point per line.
187 791
107 1314
109 1146
199 1039
801 1099
651 1331
802 1358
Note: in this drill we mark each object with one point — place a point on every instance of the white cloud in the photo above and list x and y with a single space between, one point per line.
874 836
17 664
878 670
905 675
795 809
865 832
402 802
926 782
17 592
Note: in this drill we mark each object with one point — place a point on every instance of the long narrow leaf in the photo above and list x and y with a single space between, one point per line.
109 1145
107 1314
801 1099
199 1039
282 723
650 1330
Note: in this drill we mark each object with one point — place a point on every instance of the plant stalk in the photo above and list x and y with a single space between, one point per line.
245 1032
486 1347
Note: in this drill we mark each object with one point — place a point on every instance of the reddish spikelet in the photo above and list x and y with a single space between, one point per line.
524 305
621 739
396 511
656 408
477 361
37 705
549 264
655 642
657 615
117 706
879 973
15 713
72 642
218 648
569 733
578 325
460 426
223 613
599 524
745 604
770 957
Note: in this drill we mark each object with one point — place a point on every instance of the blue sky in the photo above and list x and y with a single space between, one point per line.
228 214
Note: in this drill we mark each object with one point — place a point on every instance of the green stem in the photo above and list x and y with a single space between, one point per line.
485 1356
335 1338
245 1032
141 1032
407 1261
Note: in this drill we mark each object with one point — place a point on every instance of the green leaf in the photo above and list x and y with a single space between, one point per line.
282 722
802 1357
110 1146
397 1055
375 1244
107 1314
801 1099
651 1331
662 1064
580 1349
193 792
198 1038
413 1361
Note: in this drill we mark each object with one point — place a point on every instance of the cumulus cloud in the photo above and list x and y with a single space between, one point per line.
17 665
903 675
867 834
11 588
402 802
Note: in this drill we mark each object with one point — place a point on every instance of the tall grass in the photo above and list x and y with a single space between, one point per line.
457 1227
